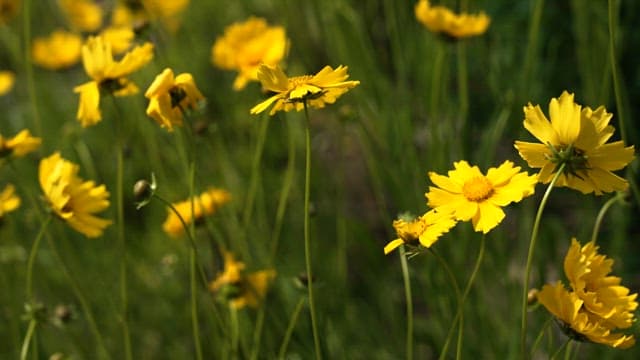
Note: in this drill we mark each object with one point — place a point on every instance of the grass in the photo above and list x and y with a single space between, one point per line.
371 151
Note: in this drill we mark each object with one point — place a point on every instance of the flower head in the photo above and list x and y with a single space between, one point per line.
238 288
440 19
19 145
246 45
83 15
72 199
9 201
576 137
205 204
597 305
7 79
470 195
424 230
120 38
59 50
169 97
108 75
137 12
325 87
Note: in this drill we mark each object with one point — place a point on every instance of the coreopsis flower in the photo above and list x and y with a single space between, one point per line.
470 195
205 204
120 38
240 289
19 145
83 15
7 79
72 199
441 20
9 201
325 87
59 50
107 76
169 97
137 12
8 9
424 230
597 306
576 137
246 45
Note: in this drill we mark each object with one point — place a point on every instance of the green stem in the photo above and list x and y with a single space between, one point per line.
532 245
564 345
603 211
235 332
456 288
290 327
532 44
255 349
614 70
463 96
32 256
307 245
541 335
194 303
27 339
409 300
31 88
255 172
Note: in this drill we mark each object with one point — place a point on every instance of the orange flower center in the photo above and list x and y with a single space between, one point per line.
477 189
296 81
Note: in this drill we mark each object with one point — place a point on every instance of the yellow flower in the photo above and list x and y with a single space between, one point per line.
577 137
325 87
7 79
59 50
8 9
424 230
71 198
440 19
238 288
120 38
169 97
107 75
19 145
470 195
598 304
246 45
206 204
9 201
138 12
83 15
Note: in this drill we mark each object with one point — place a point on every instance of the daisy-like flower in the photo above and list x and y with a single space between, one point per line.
317 90
9 201
205 204
598 304
246 45
120 38
108 75
83 15
57 51
169 97
441 20
576 137
470 195
139 12
72 199
19 145
240 289
7 79
424 230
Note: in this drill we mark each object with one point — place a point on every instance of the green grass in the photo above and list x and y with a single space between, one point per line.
371 152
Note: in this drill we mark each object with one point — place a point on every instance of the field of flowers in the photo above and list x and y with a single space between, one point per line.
336 179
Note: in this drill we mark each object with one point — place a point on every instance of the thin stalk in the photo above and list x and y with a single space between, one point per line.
463 95
409 300
307 245
257 333
290 327
541 335
532 43
32 256
603 211
193 261
568 350
235 331
456 288
31 87
564 345
617 90
255 172
24 351
532 245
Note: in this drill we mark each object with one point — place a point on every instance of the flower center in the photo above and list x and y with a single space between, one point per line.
477 189
296 81
574 159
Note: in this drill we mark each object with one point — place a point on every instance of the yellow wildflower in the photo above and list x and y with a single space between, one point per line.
325 87
7 79
59 50
8 9
9 201
19 145
470 195
578 138
120 38
107 75
83 15
424 230
238 288
205 204
72 199
440 19
137 12
169 97
246 45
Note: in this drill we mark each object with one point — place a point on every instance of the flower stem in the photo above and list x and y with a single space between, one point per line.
32 256
456 288
532 245
193 261
614 70
409 300
31 87
603 211
565 345
24 351
307 245
290 327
